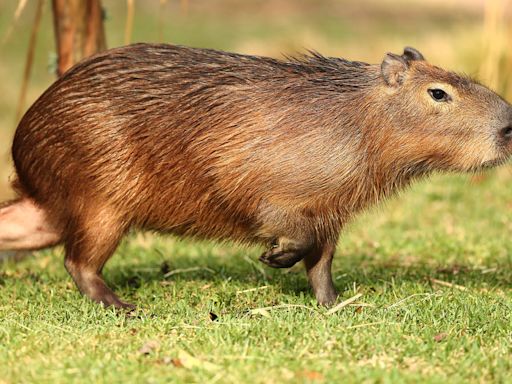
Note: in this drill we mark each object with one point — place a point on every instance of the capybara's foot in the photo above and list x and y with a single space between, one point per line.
277 258
326 296
91 284
123 305
109 299
98 291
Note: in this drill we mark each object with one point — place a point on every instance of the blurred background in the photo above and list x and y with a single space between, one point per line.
471 36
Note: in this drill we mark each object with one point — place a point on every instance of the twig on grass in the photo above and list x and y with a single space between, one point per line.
343 304
447 284
253 289
362 305
22 326
366 325
185 270
264 310
407 298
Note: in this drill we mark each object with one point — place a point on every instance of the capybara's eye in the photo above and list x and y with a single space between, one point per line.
438 94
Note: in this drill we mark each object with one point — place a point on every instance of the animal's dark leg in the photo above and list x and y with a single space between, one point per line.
91 241
318 266
285 253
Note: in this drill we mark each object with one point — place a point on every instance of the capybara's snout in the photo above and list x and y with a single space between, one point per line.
504 132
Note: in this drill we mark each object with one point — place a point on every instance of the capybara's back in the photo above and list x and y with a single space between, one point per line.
219 145
186 140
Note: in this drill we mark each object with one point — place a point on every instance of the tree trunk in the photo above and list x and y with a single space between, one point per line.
79 31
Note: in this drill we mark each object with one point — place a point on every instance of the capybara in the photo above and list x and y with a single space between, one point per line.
199 142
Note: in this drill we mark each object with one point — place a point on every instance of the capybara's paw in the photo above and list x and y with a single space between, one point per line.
98 291
122 305
277 258
327 298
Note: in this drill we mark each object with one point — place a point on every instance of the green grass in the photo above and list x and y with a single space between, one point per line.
404 328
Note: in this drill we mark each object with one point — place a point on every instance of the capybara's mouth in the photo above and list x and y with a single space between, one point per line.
493 163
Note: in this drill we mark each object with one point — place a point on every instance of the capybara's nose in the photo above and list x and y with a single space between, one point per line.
506 133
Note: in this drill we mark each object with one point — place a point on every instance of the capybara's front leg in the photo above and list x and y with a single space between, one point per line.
285 253
318 266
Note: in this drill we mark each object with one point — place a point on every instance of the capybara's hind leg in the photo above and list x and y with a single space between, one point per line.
25 226
89 244
318 266
285 253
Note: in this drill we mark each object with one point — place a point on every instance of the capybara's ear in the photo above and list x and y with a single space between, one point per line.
393 69
411 54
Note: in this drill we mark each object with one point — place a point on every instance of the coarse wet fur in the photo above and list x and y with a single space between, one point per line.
218 145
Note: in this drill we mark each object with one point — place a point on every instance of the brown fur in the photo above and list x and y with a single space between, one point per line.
218 145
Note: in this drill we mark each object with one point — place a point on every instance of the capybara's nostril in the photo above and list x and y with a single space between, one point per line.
506 133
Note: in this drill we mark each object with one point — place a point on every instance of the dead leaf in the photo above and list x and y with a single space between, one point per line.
440 337
188 361
148 347
311 375
177 363
164 360
287 374
260 311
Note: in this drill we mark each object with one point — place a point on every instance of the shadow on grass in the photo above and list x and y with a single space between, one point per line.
366 275
133 270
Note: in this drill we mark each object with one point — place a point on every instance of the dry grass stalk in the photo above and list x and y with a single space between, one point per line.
161 13
186 270
129 21
30 59
343 304
17 14
253 289
494 42
184 6
508 70
447 284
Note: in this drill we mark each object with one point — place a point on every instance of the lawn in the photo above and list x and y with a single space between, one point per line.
427 276
433 268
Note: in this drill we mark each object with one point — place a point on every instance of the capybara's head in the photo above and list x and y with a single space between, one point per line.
439 119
